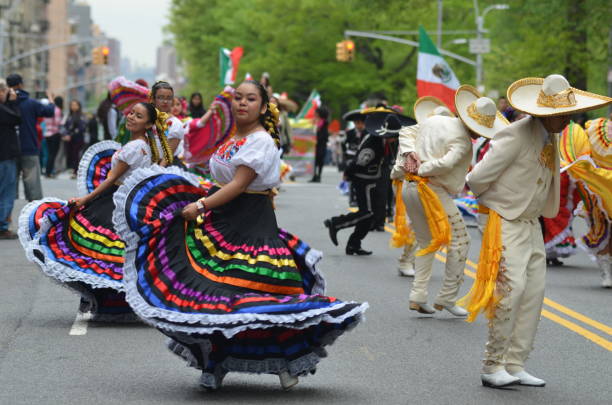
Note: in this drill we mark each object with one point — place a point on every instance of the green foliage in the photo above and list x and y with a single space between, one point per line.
294 40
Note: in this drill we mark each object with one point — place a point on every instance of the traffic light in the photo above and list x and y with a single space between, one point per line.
350 50
99 55
105 52
345 51
96 55
341 52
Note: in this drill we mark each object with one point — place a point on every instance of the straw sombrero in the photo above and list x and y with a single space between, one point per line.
551 97
427 106
478 113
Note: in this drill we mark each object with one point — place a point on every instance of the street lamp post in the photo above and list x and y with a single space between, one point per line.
480 30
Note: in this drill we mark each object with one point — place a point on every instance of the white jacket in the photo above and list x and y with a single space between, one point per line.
444 147
507 178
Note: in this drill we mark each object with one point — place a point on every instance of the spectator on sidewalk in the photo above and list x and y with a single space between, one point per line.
74 136
53 136
92 129
28 161
9 152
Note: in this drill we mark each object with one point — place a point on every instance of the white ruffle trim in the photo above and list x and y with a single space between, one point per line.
232 324
298 367
23 230
559 238
62 272
89 154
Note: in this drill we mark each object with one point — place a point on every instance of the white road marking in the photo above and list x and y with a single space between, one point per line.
79 327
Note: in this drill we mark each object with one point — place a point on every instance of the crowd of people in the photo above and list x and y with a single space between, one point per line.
174 223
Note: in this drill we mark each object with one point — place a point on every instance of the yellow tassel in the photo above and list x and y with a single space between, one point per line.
482 296
435 215
403 234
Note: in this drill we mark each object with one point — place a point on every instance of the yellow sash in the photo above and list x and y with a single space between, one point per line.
435 215
482 295
403 234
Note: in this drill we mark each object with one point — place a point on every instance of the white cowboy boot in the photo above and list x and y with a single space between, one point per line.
499 379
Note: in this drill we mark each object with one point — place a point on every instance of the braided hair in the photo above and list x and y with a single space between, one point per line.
161 125
158 119
269 120
152 113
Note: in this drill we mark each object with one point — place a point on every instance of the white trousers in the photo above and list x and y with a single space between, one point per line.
520 283
456 252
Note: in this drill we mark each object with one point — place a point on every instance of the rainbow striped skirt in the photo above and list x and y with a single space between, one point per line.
234 292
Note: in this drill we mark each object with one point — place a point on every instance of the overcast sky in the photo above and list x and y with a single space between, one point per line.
136 23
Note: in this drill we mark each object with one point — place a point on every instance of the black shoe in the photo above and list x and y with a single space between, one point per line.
332 231
357 251
315 179
554 262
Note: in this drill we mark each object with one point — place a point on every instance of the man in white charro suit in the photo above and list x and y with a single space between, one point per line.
437 157
518 181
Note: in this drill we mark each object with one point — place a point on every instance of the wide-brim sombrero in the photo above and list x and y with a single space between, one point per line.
424 108
354 115
465 97
526 95
386 123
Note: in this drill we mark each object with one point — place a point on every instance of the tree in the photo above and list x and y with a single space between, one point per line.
295 42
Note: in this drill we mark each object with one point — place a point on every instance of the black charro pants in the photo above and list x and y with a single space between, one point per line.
362 219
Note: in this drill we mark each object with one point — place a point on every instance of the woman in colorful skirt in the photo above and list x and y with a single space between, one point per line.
589 157
212 270
75 242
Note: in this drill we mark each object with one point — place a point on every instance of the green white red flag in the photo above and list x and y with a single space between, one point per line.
434 75
313 102
228 64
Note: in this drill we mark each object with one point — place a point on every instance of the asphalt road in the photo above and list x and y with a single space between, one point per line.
395 357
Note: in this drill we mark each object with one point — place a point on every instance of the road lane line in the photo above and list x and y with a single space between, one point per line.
79 326
606 344
598 340
567 311
578 316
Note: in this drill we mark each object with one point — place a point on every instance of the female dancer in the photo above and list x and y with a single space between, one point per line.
76 242
232 290
196 105
162 96
589 155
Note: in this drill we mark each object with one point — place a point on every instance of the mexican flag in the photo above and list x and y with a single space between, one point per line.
434 76
313 102
228 64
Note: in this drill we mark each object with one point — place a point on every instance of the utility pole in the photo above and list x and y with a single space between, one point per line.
439 24
482 45
4 21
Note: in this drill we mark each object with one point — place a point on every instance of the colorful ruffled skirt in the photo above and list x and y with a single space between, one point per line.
234 292
79 247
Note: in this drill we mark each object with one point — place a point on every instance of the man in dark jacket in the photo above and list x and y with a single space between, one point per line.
9 152
29 162
363 171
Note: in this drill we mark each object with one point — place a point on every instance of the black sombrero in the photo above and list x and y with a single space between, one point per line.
354 115
386 123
